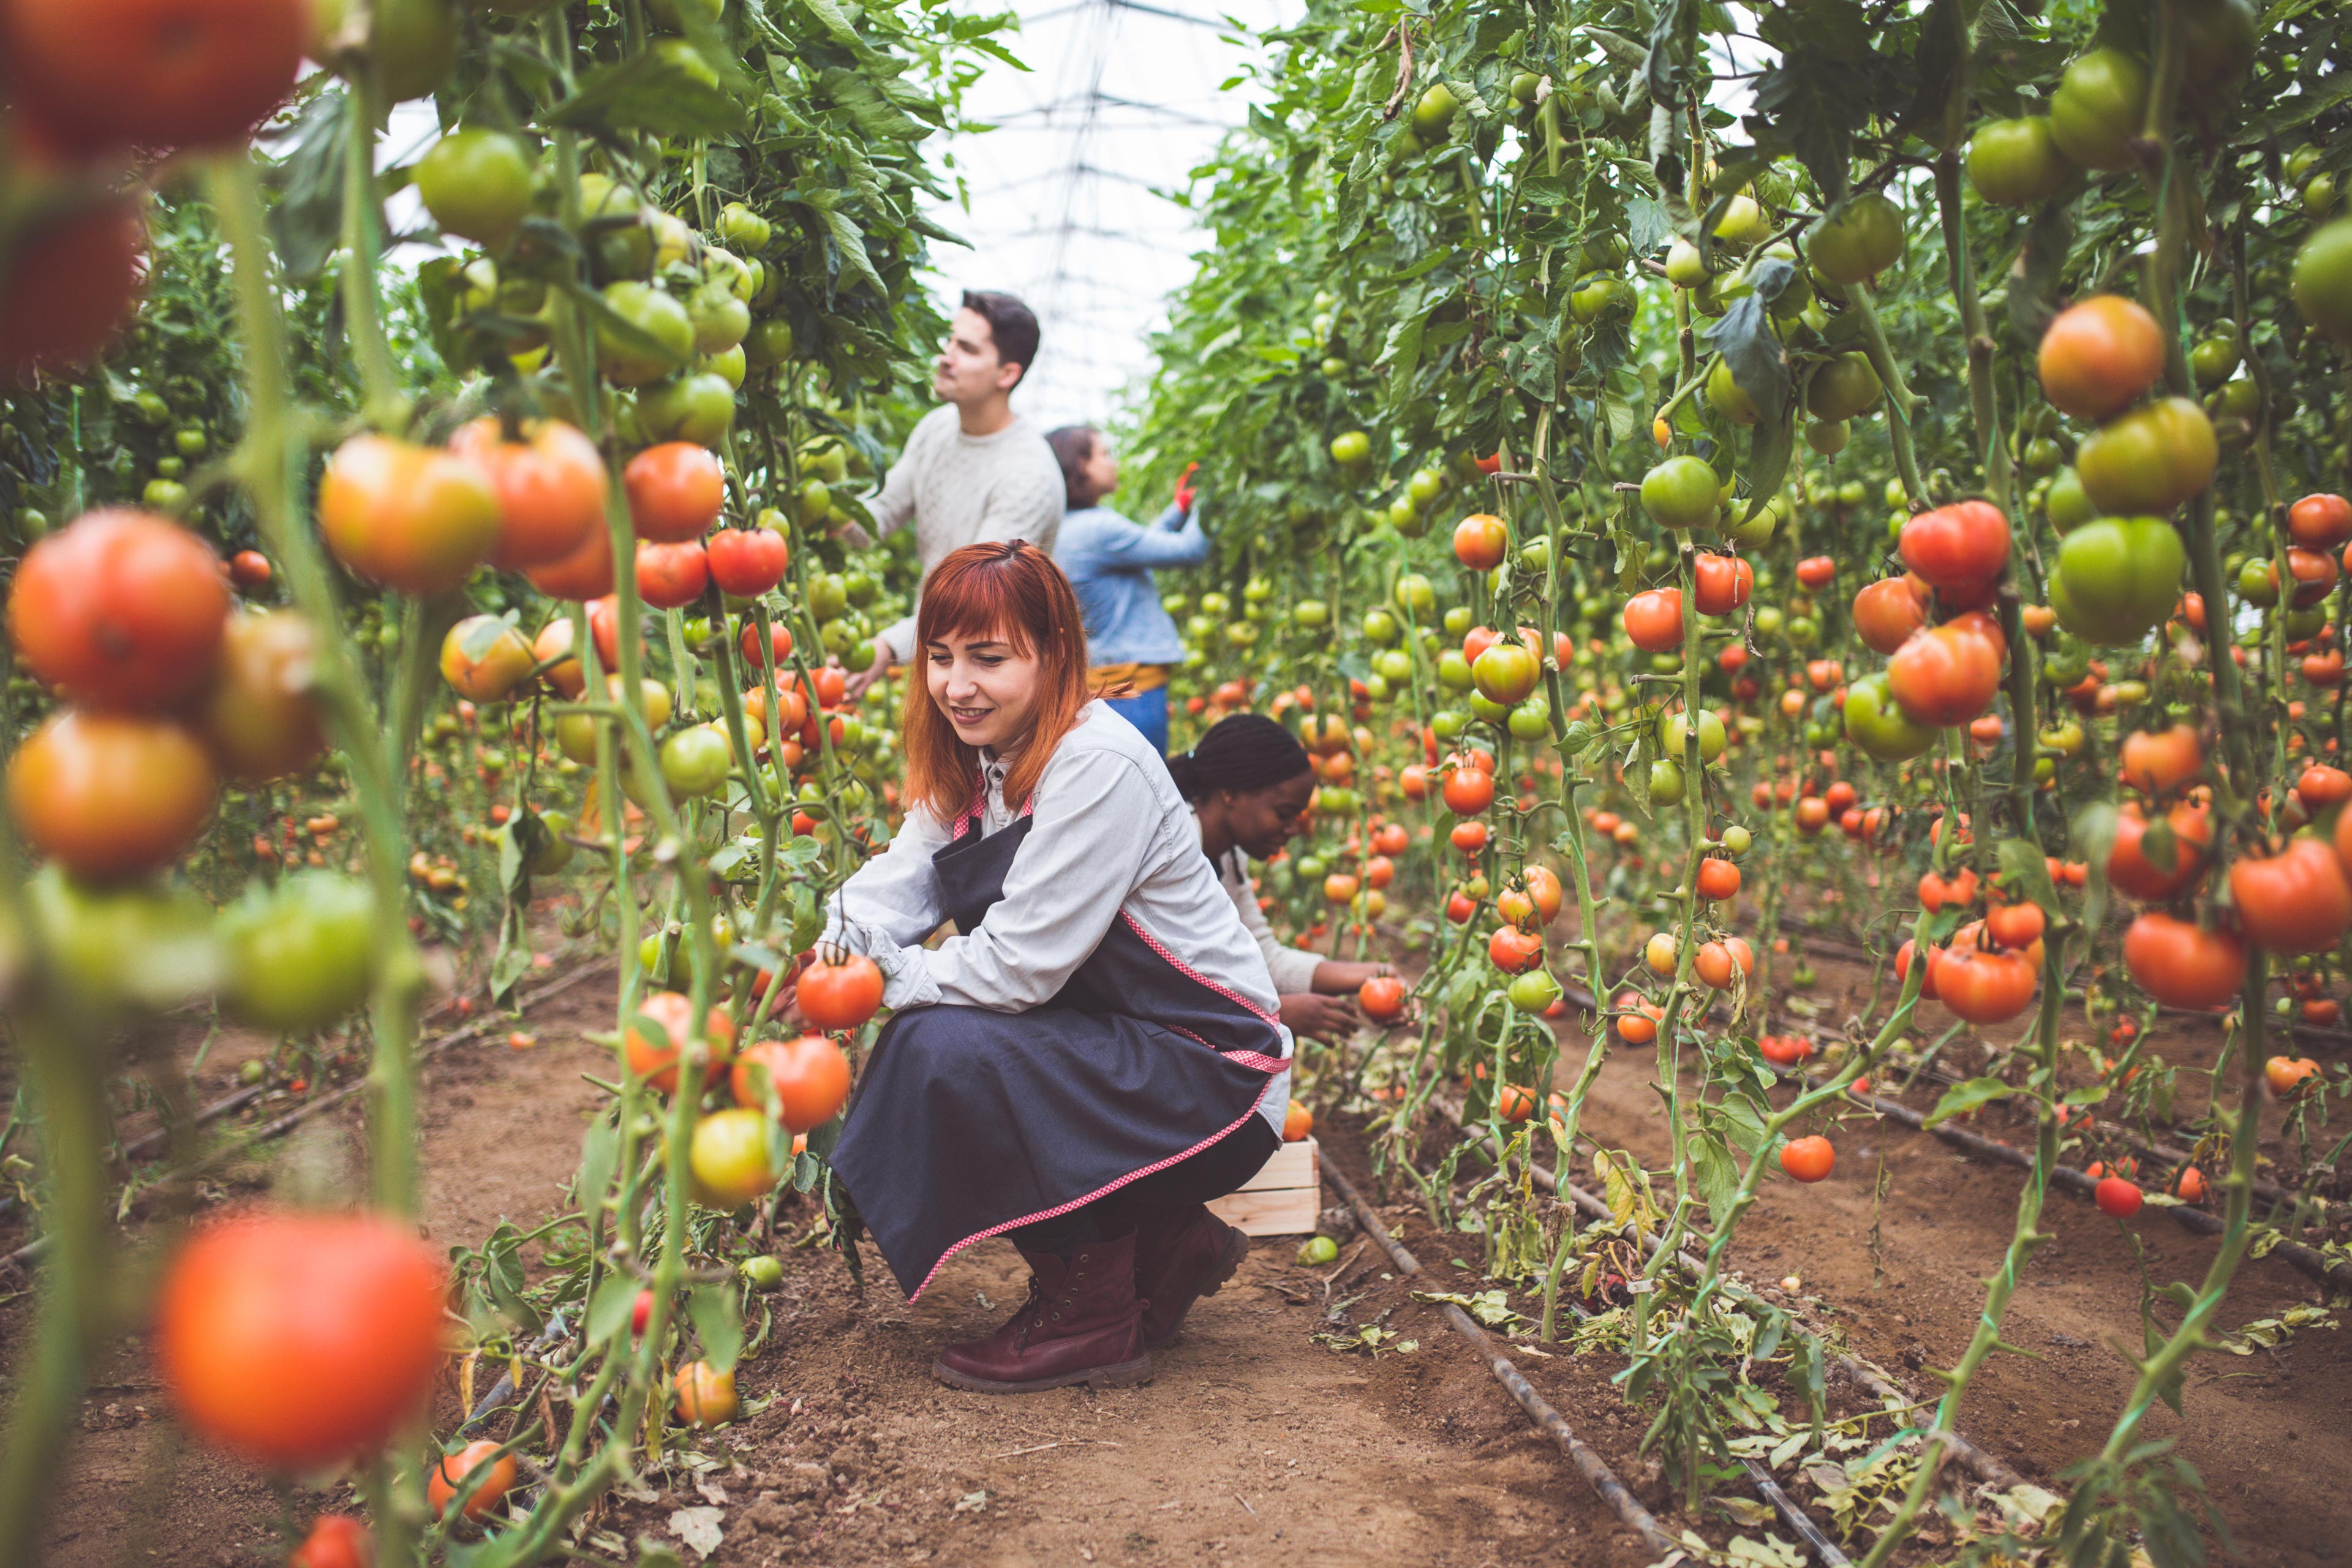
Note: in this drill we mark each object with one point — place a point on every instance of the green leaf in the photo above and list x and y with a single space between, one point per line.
2027 871
600 1156
1963 1097
716 1324
610 1309
306 221
653 90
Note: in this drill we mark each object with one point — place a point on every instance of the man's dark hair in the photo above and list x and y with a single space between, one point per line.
1074 445
1012 326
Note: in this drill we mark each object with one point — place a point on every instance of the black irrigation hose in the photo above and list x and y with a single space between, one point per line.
1594 1469
1984 1465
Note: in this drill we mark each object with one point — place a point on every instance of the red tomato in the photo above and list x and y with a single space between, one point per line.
1514 952
2117 1197
585 574
780 647
2320 522
2181 964
1945 676
106 795
550 488
1382 998
1653 619
2157 762
300 1340
675 491
1479 541
1810 1159
170 73
1717 879
673 1016
1468 791
2294 901
451 1472
120 610
1985 986
1722 584
1959 548
335 1540
415 519
2097 357
672 577
810 1076
840 995
1888 611
1816 571
70 285
250 570
748 561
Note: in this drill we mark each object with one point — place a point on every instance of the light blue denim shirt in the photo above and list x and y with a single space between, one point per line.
1108 561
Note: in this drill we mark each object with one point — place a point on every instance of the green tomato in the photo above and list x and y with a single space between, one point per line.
163 495
1681 493
2150 460
1531 720
1316 1251
1381 628
1311 614
1448 724
700 408
1433 112
1736 841
2068 507
415 43
1486 709
122 946
665 339
2118 578
744 229
1458 620
171 467
828 596
1769 620
1415 596
1874 722
2099 108
721 320
1842 388
1666 785
1860 239
301 954
1827 437
2214 360
1674 736
769 342
1351 448
1425 486
1725 395
190 442
1596 298
1534 991
2017 163
1803 631
2322 280
477 182
1454 671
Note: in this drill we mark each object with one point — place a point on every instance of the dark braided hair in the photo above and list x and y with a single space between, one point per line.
1247 751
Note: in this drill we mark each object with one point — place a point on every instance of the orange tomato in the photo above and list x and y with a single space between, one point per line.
675 491
810 1077
451 1473
1808 1159
842 995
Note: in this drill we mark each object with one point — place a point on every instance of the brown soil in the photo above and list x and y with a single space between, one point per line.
1252 1443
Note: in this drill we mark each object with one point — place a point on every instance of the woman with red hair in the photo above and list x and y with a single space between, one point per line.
1096 1053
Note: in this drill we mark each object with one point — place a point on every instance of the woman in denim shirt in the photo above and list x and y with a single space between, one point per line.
1130 638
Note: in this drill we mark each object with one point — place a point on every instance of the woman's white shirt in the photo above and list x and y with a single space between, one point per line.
1293 969
1112 836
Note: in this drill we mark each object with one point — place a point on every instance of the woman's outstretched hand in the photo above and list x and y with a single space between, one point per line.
1319 1018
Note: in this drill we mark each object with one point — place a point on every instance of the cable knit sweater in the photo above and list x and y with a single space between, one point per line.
965 490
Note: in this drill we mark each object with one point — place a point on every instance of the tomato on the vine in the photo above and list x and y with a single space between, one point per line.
109 795
809 1075
1653 619
479 1465
2118 578
2100 108
2181 964
2100 356
675 491
550 488
1887 612
671 577
191 73
1722 583
1947 675
747 562
2294 901
411 518
2149 460
2017 163
120 610
840 995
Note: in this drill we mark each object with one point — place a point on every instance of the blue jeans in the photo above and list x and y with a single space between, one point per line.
1148 711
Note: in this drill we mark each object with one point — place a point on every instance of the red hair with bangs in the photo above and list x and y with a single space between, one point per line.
1011 589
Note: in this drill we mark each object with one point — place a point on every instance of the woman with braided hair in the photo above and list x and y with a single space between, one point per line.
1249 782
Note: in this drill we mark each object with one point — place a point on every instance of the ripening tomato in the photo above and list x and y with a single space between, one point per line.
2016 925
1543 887
2098 357
2181 964
2118 578
840 995
1298 1122
673 1017
586 574
1956 549
1382 998
1985 986
166 73
120 610
1717 879
1808 1159
1945 675
70 284
334 1540
1389 838
550 488
2285 1075
676 491
1817 572
1480 542
1470 837
780 645
485 657
671 577
250 570
2117 1197
261 718
730 1159
747 562
2321 786
706 1396
1653 619
300 1340
2320 522
1637 1021
2294 901
1514 952
107 795
2132 868
452 1473
1722 584
414 518
2149 460
1888 611
2158 762
1468 791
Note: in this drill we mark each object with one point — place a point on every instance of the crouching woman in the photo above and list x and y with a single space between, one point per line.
1095 1052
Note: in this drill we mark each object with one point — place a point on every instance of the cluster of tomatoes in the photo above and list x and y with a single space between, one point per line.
781 1088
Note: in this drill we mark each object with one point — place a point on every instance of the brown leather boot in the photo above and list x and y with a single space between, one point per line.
1082 1323
1181 1255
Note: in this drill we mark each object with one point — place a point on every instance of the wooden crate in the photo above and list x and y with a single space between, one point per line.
1282 1199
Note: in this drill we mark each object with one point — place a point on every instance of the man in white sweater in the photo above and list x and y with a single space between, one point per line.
973 471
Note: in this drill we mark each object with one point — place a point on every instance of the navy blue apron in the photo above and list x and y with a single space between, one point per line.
969 1122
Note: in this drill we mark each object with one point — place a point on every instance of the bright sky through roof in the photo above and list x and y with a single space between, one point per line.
1120 100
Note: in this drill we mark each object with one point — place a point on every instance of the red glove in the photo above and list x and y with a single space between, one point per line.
1184 488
